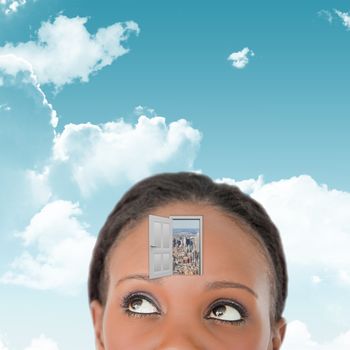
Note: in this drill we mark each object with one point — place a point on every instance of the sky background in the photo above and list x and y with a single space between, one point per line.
94 96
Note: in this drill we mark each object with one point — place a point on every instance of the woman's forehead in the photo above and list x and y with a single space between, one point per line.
228 251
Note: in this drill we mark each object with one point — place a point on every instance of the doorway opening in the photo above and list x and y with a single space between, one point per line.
175 245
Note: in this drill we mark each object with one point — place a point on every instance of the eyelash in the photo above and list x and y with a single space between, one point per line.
240 308
137 295
141 295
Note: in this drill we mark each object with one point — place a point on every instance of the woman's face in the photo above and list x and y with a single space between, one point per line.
227 307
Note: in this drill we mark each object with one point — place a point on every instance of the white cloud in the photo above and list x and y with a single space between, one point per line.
11 6
345 16
66 51
11 66
62 250
299 337
309 216
240 58
42 343
115 151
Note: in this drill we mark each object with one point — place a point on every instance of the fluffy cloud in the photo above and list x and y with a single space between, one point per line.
116 151
11 6
16 70
345 16
62 248
307 215
65 50
299 337
42 343
240 58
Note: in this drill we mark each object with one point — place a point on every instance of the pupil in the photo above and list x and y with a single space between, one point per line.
219 310
136 304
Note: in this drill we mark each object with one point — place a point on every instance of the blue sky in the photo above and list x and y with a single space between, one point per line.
95 96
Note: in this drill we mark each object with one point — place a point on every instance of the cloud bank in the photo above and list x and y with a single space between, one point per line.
309 216
56 244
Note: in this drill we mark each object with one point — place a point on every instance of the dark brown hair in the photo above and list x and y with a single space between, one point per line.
160 189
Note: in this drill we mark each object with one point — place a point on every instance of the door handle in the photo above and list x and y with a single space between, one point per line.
153 246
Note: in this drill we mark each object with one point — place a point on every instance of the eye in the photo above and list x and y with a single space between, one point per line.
139 304
227 311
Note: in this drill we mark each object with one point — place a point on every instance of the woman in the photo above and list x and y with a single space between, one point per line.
236 303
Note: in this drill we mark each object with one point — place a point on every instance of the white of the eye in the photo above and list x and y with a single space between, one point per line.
142 306
226 313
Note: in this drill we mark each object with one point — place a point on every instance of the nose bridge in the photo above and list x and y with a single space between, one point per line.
182 331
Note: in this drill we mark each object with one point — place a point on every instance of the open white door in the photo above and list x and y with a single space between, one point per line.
160 246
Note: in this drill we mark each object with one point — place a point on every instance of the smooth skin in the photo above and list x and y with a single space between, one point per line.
178 312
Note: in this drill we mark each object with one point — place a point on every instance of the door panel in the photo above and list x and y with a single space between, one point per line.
160 246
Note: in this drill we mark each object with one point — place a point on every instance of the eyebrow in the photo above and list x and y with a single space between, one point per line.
208 286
